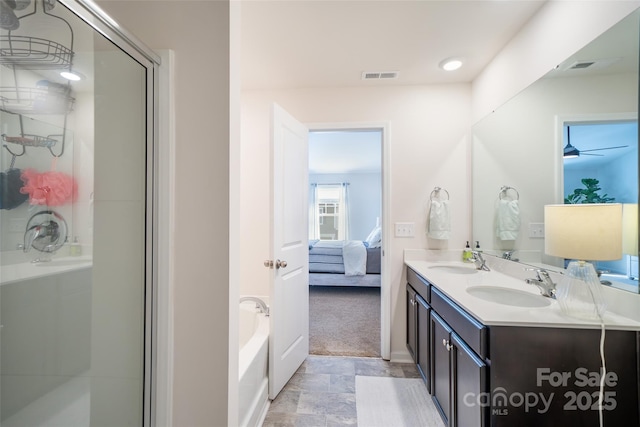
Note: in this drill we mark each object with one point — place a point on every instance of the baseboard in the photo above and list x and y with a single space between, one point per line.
401 357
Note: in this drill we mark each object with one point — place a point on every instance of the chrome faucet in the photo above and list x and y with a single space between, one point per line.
509 255
30 235
261 305
543 282
479 261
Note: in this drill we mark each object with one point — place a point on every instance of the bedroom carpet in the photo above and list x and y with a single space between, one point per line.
344 321
394 402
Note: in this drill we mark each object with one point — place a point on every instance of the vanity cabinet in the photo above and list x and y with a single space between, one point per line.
443 340
418 332
504 375
458 372
418 329
412 323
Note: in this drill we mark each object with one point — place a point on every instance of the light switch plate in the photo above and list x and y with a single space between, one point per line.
405 229
536 230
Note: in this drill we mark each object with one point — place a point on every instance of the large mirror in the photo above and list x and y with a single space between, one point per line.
518 164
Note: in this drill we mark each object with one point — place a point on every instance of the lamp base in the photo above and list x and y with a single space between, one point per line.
579 293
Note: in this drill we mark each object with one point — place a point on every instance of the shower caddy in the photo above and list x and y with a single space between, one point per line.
21 53
24 52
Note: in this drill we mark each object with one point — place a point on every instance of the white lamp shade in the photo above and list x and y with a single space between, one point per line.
630 229
591 232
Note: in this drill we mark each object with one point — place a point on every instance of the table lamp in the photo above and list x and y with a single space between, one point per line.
630 229
582 232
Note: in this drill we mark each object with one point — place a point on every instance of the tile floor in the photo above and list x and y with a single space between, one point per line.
322 392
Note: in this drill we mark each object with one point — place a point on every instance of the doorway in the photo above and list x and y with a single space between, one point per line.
345 235
600 165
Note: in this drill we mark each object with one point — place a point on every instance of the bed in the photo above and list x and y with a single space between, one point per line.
344 263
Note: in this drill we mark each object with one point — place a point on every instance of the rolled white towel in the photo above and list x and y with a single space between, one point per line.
439 220
507 219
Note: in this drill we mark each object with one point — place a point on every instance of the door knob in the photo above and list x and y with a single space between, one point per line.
268 263
280 264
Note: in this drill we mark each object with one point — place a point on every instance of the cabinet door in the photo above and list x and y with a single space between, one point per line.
441 366
469 376
424 351
412 323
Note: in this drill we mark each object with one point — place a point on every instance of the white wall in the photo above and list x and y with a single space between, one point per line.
557 31
428 127
365 199
199 34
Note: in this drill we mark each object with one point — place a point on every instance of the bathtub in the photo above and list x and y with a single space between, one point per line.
253 365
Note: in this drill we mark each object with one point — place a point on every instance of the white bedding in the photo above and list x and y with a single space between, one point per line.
354 255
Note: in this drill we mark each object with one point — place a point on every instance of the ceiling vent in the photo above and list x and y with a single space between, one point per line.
379 75
592 64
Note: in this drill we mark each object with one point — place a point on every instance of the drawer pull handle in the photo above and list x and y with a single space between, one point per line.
447 345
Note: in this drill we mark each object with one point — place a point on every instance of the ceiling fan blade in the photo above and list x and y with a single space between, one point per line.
604 148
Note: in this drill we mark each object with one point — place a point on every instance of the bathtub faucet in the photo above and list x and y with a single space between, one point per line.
264 308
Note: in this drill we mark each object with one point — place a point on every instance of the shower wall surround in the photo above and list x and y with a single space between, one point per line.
75 229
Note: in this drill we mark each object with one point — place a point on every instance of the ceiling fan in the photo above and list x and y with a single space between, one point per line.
571 152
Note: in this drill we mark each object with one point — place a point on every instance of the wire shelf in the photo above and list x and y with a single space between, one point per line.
29 100
30 140
34 53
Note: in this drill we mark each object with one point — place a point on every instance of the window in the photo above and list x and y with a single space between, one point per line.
328 207
329 219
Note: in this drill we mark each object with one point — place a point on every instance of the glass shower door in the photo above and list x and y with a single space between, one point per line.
75 219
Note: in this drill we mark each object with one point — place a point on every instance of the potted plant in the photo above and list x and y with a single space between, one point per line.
588 194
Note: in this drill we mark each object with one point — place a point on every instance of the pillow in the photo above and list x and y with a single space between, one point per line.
374 238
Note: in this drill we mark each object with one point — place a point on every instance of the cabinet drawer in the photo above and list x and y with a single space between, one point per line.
469 329
421 286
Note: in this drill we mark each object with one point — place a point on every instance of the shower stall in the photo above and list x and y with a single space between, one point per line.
77 246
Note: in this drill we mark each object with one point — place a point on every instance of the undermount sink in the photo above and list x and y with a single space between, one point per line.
455 269
507 296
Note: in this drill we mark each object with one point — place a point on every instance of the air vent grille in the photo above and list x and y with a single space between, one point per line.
379 75
581 65
591 64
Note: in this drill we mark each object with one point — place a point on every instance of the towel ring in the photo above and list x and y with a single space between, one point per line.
504 190
436 191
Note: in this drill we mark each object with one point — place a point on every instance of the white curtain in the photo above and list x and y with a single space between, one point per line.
343 219
314 220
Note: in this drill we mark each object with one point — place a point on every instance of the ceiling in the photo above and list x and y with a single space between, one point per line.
325 43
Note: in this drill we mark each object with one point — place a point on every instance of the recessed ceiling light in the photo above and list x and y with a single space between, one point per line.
451 64
72 75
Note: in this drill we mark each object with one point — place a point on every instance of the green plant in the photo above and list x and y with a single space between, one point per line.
589 194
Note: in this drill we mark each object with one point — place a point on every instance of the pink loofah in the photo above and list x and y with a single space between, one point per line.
48 188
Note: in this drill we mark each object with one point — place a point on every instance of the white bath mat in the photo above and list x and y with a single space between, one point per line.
394 402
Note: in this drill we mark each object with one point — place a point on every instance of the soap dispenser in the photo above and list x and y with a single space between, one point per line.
74 248
478 246
466 253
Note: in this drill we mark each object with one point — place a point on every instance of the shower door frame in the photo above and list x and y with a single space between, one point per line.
95 17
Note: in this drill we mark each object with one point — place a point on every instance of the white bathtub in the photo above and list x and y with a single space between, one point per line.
253 365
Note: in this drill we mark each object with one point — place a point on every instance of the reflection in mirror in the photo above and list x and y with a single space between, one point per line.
601 166
521 146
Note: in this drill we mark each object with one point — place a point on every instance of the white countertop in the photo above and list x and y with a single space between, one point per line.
455 286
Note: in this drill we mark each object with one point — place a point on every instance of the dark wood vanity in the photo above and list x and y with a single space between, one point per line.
522 375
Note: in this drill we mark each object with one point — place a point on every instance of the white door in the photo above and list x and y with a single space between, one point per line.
289 295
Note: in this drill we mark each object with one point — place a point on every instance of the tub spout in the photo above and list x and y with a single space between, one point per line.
30 235
261 305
